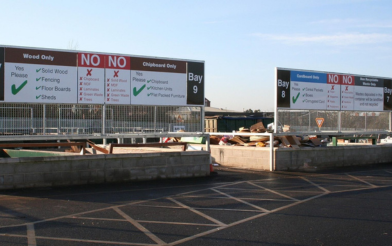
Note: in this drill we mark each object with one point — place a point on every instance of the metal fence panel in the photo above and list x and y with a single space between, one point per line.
305 120
68 119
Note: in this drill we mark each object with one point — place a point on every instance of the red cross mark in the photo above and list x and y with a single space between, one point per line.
116 73
333 86
346 88
89 72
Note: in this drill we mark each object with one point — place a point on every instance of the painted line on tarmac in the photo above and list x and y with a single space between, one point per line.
176 223
360 189
229 209
318 186
388 171
275 192
363 181
79 240
198 212
92 218
242 201
140 227
31 241
242 221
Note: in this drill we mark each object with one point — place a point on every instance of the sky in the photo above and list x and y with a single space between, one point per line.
241 42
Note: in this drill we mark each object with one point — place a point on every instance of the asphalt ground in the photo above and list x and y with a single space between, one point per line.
342 207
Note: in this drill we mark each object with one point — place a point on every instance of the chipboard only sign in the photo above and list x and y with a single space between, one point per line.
310 90
49 76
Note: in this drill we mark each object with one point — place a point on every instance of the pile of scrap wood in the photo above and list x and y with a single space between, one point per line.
247 139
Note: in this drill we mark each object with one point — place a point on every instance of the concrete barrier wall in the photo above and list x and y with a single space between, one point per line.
241 157
330 157
256 158
75 170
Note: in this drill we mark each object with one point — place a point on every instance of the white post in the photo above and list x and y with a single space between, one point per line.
272 166
276 118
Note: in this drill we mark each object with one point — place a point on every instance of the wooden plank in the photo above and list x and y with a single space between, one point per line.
102 150
284 140
75 149
147 145
42 145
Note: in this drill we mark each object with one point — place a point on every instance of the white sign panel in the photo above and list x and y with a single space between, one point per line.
368 94
118 84
36 76
157 88
308 90
158 82
91 78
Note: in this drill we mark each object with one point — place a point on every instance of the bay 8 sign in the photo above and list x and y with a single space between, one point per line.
312 90
53 76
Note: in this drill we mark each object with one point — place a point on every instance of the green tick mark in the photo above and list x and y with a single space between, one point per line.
15 90
148 81
36 97
303 89
149 87
295 98
37 87
38 79
149 94
136 91
37 70
304 100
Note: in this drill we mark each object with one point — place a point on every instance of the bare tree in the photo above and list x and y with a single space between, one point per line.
73 45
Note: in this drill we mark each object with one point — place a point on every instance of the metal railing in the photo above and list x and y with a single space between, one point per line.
76 120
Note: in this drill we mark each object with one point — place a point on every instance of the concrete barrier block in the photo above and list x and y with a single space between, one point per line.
145 162
173 160
100 177
151 155
194 169
186 160
34 178
159 161
181 170
11 179
33 167
116 163
131 162
96 164
259 153
61 166
115 175
262 164
6 187
84 175
9 160
53 177
153 172
205 169
80 165
7 168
